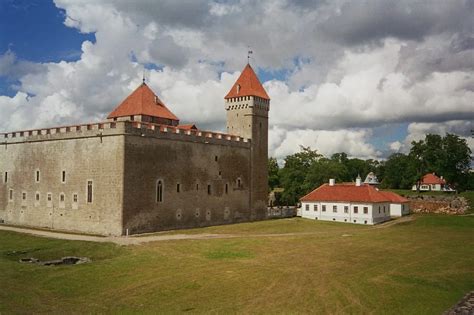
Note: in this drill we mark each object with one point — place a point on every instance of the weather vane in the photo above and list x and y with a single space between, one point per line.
249 52
144 74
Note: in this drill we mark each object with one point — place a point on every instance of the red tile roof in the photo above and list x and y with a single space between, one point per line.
431 179
396 198
142 101
347 193
187 127
247 84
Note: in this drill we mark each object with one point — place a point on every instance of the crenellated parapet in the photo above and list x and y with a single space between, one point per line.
133 128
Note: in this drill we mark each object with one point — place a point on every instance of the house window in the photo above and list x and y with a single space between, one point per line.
5 179
356 209
334 208
315 208
37 176
226 188
11 194
74 198
89 191
159 191
346 209
37 197
307 207
23 196
383 209
379 209
63 177
324 208
177 188
209 189
366 210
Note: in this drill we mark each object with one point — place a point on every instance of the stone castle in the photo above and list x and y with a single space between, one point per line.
140 170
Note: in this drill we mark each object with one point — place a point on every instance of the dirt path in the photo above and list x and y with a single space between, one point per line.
136 240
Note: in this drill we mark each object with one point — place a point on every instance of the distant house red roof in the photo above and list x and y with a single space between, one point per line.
393 197
247 84
432 179
350 193
142 101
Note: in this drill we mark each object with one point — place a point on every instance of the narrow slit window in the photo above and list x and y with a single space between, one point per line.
159 191
11 194
23 196
89 191
177 188
61 197
37 176
226 188
37 196
6 177
209 189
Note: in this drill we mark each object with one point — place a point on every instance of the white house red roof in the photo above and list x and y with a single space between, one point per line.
247 84
142 101
348 192
432 179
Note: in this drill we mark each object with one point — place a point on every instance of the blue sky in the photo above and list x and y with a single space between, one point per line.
366 78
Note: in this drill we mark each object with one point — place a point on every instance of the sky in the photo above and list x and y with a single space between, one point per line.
361 77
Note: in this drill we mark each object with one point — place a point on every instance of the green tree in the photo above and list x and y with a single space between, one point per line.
273 173
294 172
400 172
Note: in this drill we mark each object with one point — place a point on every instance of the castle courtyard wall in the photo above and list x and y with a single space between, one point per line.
85 153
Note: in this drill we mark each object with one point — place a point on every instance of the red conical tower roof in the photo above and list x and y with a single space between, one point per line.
142 101
247 84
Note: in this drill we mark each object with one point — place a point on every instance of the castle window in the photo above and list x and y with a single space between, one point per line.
216 158
239 183
5 179
37 176
61 197
74 198
89 191
177 188
226 188
63 177
356 209
11 194
159 191
37 197
49 196
197 186
366 210
23 196
209 191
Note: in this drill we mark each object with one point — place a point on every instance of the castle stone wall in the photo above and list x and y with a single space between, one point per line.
193 163
84 153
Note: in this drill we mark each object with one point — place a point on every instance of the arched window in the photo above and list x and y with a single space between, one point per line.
159 191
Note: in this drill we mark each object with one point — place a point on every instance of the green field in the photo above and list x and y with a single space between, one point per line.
421 266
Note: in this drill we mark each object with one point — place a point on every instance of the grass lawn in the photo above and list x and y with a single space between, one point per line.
418 267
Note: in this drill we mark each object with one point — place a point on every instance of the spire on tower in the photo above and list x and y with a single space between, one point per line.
249 52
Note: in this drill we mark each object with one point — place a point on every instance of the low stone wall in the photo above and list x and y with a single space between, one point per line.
281 212
464 307
438 204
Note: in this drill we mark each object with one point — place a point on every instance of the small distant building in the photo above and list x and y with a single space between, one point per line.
353 203
371 179
431 182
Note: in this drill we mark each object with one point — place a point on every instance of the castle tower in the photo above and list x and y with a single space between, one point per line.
247 105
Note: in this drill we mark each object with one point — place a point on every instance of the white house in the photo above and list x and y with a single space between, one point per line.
399 206
431 182
348 202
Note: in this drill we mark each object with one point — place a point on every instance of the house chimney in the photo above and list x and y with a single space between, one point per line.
358 180
332 181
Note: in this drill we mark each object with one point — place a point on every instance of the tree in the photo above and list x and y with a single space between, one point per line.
273 173
293 174
400 172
